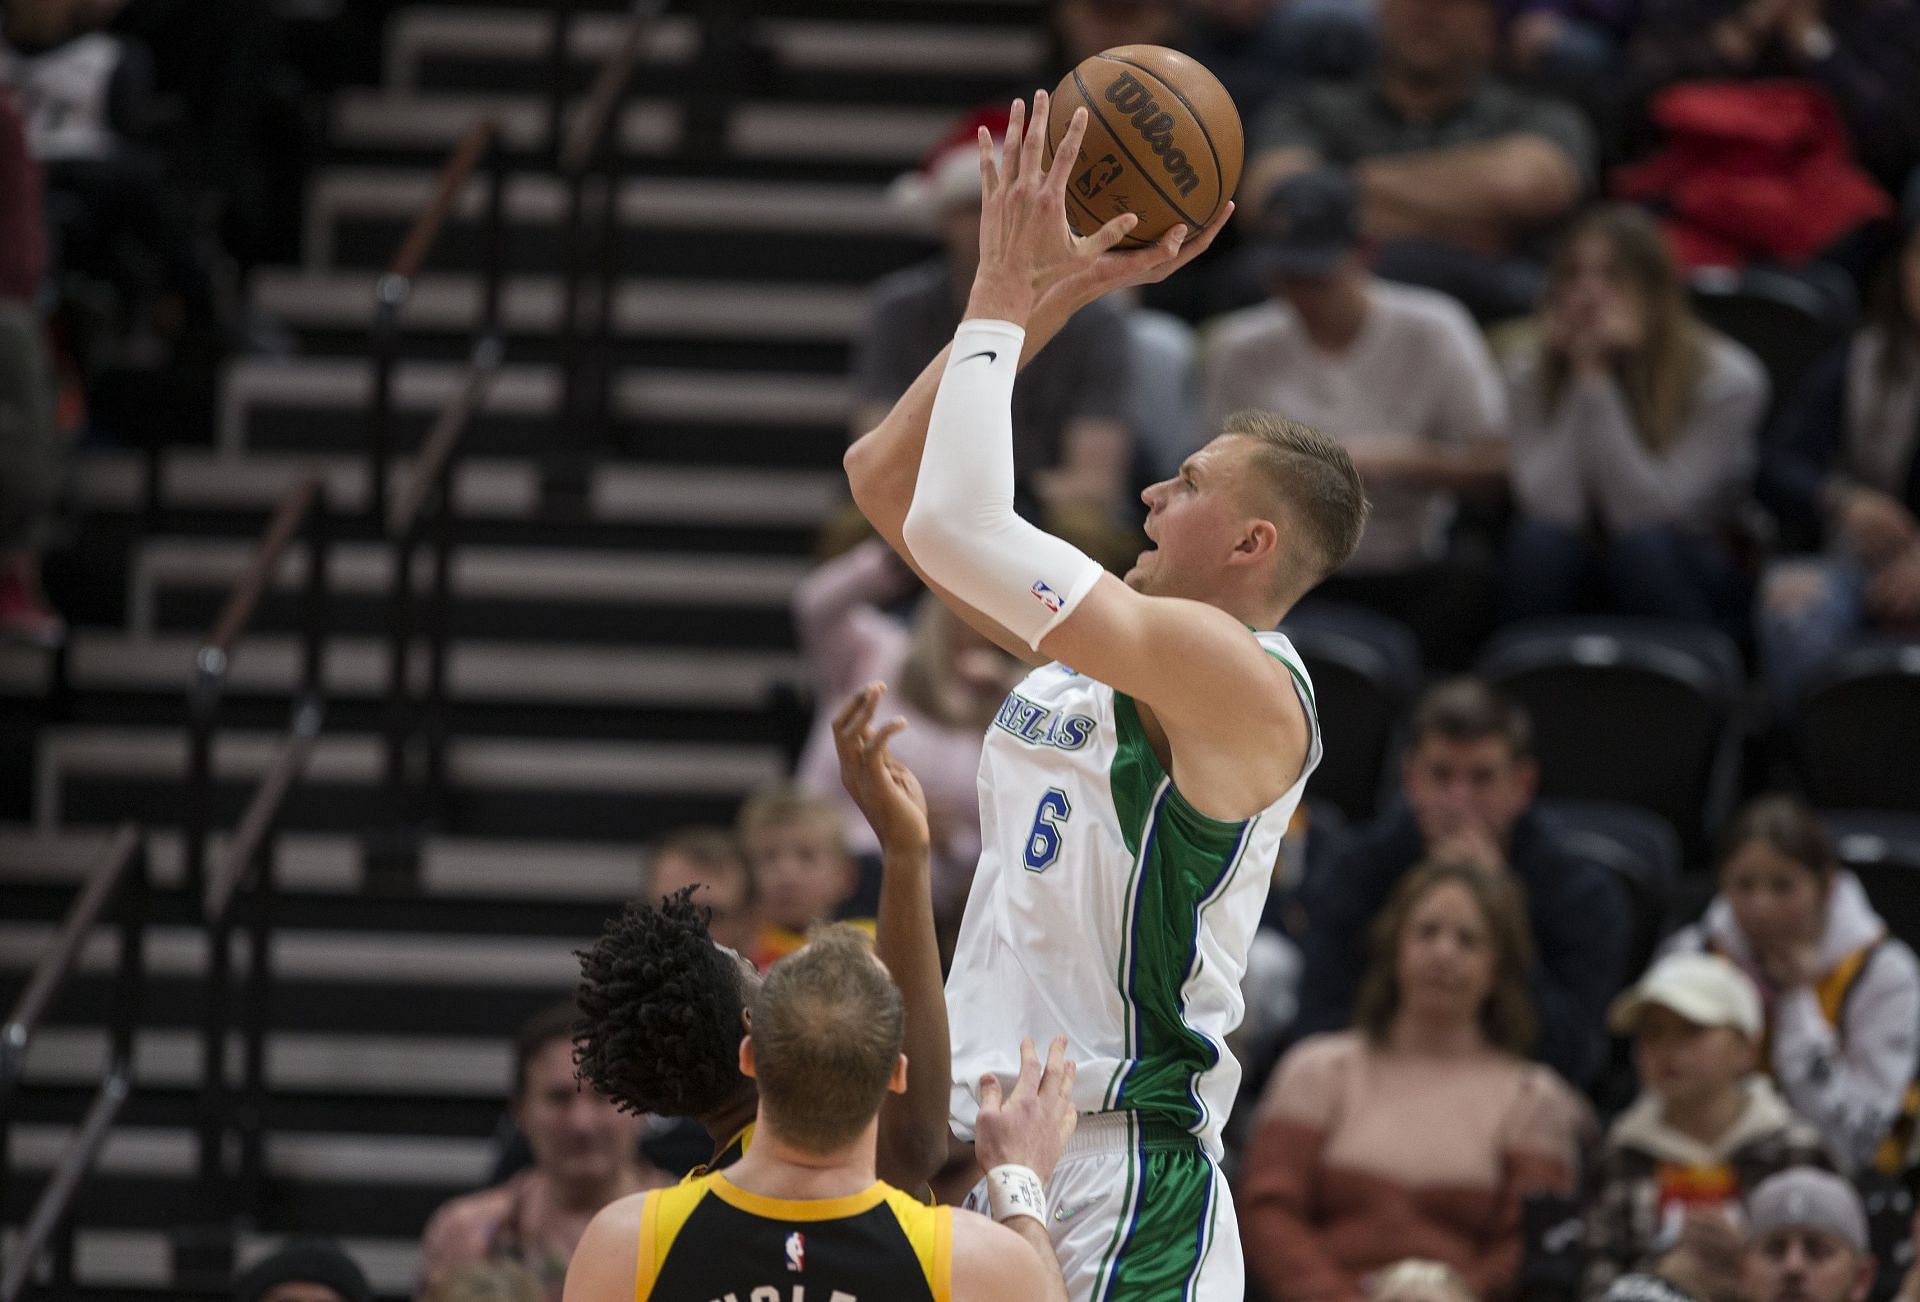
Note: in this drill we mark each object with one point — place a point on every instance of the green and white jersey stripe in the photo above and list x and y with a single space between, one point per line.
1107 907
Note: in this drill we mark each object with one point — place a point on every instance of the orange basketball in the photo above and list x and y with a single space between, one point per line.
1163 141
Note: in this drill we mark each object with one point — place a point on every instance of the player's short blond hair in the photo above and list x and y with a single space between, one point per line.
1315 482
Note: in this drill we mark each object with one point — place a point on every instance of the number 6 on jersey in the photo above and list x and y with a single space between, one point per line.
1043 842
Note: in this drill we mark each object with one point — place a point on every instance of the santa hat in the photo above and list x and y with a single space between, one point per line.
949 172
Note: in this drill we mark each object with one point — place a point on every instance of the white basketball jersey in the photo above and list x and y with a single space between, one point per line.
1108 909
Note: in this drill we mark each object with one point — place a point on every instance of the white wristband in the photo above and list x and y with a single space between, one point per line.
1016 1191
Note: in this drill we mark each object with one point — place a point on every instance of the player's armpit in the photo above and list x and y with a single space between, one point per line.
995 1263
606 1262
1218 694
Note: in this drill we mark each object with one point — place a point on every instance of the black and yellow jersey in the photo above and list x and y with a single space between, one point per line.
708 1239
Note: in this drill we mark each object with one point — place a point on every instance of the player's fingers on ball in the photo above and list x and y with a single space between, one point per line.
1112 233
1198 244
1036 132
1010 147
1068 150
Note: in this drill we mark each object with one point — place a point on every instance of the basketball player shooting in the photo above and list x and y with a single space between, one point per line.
1135 786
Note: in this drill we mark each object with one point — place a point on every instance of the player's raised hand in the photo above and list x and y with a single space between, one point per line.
1031 1126
1026 245
886 790
1122 268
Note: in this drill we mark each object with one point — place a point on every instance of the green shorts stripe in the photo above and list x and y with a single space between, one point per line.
1165 1239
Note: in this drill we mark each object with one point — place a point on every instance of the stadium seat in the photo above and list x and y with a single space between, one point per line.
1859 723
1365 668
1787 320
1635 711
1883 850
1639 849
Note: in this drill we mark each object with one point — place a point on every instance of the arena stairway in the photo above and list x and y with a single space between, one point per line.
615 647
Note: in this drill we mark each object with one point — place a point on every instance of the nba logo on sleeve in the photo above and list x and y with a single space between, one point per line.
1047 597
796 1251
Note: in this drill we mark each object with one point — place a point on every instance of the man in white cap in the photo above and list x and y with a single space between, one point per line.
1706 1130
1806 1241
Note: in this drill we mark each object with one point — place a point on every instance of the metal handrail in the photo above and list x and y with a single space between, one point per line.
102 884
483 141
302 506
587 151
123 869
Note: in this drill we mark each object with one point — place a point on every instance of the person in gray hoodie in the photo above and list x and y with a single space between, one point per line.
1841 996
1704 1132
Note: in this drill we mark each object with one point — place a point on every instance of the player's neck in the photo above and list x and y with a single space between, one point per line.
774 1168
722 1126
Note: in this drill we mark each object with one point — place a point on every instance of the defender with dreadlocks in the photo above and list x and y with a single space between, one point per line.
663 1008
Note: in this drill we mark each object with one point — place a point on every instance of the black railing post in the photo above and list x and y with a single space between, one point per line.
400 622
252 1115
559 79
203 704
612 157
439 636
389 295
496 235
214 1022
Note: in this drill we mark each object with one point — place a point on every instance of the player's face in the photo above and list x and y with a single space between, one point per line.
724 892
1192 522
1801 1265
1446 961
1686 1063
577 1137
1777 901
802 873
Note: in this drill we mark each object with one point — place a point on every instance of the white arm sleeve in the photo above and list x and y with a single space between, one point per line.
961 528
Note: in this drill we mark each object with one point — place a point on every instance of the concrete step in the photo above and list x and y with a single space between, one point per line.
749 420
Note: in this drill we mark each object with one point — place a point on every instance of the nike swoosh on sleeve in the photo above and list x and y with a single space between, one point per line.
988 354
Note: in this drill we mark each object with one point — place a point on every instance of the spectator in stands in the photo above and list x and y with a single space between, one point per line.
796 846
304 1270
946 681
30 447
1865 54
1073 450
663 1007
1458 174
1842 997
586 1153
710 862
1806 1241
1633 438
1258 48
1400 375
1419 1133
1468 779
1082 28
1562 41
1844 462
493 1281
1705 1130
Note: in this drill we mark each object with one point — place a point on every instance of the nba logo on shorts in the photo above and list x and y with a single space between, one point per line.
796 1251
1047 597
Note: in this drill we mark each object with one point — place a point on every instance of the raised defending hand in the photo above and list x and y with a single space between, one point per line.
1031 1127
885 789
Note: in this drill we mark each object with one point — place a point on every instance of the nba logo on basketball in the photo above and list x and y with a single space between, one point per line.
796 1251
1047 597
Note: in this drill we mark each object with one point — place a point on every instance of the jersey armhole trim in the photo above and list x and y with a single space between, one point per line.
646 1265
942 1280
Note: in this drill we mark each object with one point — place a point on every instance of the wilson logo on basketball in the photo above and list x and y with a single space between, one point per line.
1155 127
